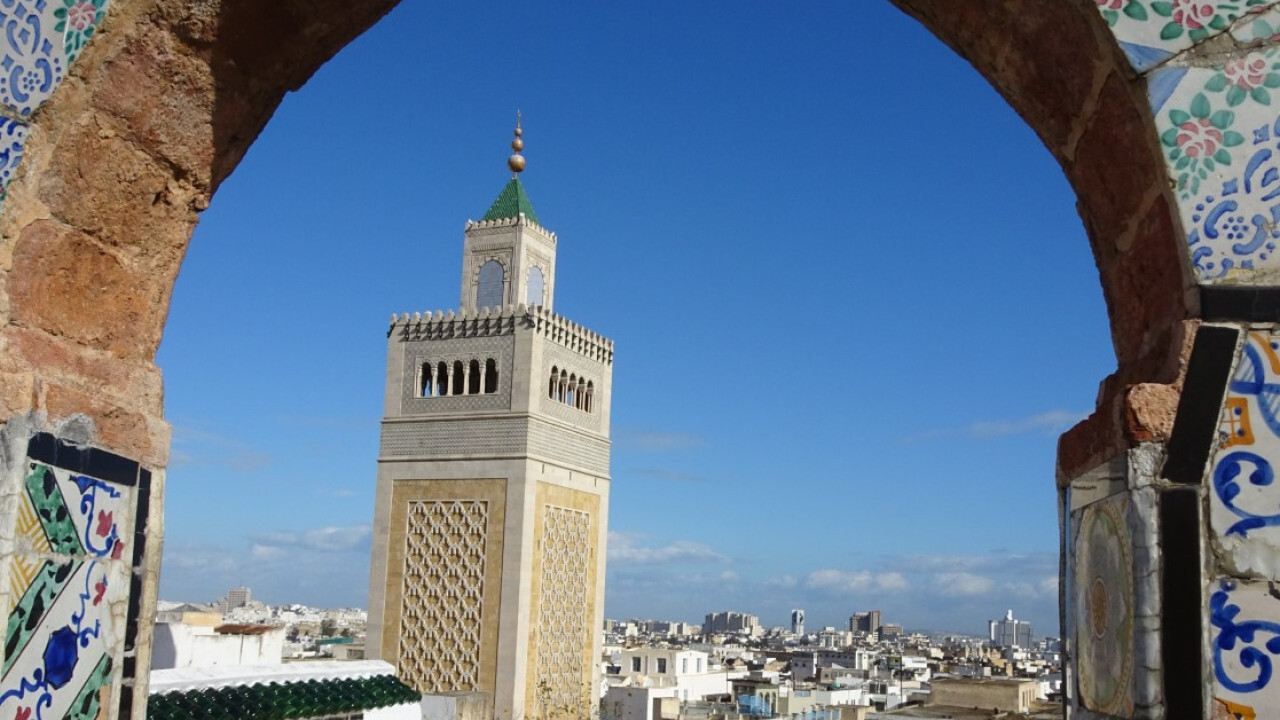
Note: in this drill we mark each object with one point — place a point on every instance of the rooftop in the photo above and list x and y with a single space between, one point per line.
512 202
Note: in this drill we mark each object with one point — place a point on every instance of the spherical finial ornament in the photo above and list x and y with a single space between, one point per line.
516 161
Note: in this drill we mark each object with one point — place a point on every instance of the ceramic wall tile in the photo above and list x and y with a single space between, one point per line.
69 589
1107 600
1219 130
13 137
1151 31
1245 639
39 40
1244 502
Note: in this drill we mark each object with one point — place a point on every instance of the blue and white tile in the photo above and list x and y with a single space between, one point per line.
39 39
1244 628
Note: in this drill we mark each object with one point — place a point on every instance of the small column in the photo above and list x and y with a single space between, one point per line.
466 379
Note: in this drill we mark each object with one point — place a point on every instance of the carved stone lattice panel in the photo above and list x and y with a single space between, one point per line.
443 595
563 622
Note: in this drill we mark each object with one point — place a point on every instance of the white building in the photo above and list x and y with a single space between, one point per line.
179 645
1010 633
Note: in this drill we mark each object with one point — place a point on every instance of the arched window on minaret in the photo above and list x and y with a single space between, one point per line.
581 397
591 394
551 385
442 379
489 289
564 385
425 388
573 387
473 378
536 285
457 378
490 376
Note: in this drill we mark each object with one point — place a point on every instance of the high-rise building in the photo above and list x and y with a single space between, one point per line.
865 622
491 508
797 622
238 597
1010 633
723 623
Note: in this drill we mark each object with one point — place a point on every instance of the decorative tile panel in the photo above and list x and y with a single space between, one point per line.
13 137
1244 504
443 595
1151 31
1219 129
70 586
39 39
1245 637
1103 603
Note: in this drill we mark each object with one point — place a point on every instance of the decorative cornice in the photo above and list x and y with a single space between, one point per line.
503 321
505 223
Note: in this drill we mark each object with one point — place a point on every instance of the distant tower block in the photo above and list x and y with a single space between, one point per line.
797 622
493 483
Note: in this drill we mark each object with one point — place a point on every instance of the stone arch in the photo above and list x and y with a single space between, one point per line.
161 106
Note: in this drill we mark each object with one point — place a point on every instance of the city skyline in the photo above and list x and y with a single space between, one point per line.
825 396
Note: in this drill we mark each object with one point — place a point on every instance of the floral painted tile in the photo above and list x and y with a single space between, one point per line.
1244 626
1151 31
1219 129
39 39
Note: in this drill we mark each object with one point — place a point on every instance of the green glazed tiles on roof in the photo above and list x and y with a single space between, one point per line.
510 203
282 701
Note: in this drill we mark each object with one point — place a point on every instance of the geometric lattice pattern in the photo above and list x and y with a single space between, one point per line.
443 594
563 625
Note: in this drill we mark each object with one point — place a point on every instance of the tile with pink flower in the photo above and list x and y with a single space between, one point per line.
1152 31
1219 131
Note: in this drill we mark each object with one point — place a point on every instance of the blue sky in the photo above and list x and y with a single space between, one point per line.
852 301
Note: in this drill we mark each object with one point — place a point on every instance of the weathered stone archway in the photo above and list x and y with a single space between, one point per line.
151 103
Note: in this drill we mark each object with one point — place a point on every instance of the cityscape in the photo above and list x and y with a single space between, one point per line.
639 361
729 665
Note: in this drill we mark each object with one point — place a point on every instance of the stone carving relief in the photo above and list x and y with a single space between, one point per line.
564 627
443 594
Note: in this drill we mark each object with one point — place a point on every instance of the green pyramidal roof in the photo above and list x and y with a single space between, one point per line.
510 203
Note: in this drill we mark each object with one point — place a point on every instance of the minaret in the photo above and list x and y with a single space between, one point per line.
491 507
507 263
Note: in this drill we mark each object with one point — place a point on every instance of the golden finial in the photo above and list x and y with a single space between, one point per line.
516 161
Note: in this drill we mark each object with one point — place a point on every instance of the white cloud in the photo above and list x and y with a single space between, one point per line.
786 581
1051 422
325 539
192 447
623 549
855 581
963 584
